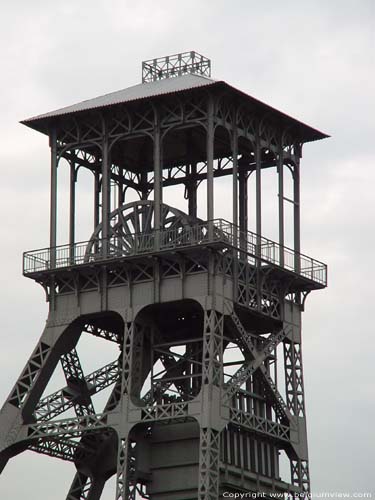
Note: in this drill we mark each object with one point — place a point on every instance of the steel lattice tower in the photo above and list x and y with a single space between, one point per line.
200 309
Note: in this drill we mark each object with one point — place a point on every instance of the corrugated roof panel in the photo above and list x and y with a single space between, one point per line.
140 91
165 87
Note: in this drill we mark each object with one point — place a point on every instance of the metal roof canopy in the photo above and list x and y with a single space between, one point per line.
167 86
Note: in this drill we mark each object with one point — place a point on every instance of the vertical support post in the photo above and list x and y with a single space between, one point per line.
212 379
123 474
280 169
106 191
53 199
158 188
96 198
297 214
96 204
243 210
295 398
72 208
235 205
123 470
127 359
235 181
209 464
210 167
258 197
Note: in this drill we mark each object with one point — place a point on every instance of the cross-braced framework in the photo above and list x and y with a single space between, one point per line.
206 392
175 65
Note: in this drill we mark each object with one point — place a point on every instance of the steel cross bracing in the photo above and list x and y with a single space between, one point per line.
280 406
77 384
60 401
294 391
55 436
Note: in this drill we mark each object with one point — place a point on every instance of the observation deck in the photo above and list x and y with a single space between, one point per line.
218 234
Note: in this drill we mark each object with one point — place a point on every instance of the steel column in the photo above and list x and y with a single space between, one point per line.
295 394
210 165
53 199
96 199
258 195
106 191
158 188
209 464
212 378
123 469
72 202
243 205
235 181
297 215
280 170
124 448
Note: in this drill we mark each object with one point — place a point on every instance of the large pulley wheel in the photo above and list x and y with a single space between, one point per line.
132 230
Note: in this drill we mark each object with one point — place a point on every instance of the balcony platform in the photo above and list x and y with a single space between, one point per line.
219 235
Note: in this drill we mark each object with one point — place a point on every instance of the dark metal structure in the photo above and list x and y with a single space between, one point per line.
203 402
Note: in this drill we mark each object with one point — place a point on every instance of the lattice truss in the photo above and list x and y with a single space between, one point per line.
205 350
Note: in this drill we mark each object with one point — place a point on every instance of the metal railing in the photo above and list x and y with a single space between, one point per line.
250 246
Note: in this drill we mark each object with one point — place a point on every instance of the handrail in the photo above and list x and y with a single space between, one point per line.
250 246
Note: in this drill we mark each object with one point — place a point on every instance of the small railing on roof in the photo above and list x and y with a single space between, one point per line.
175 65
249 245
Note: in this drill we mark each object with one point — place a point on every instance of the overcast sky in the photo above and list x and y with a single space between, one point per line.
313 60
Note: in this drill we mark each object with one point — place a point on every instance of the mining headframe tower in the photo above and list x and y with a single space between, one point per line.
207 389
